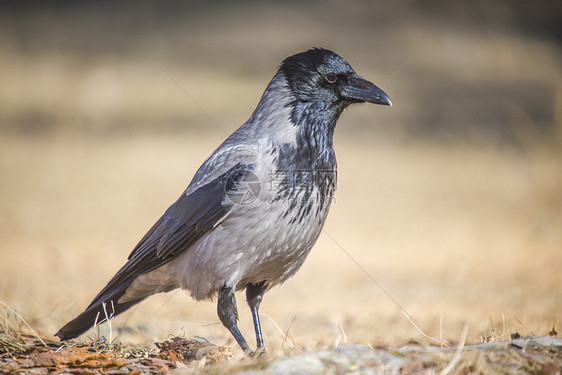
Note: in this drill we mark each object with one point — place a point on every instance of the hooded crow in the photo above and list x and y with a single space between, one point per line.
256 206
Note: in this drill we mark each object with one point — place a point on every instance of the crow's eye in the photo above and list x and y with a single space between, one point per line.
331 78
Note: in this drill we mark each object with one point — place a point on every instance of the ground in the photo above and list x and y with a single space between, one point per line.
448 208
26 354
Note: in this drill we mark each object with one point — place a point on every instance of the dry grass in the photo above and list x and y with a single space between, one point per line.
464 234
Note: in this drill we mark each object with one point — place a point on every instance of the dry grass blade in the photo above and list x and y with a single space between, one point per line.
403 310
23 320
458 352
11 345
191 97
284 334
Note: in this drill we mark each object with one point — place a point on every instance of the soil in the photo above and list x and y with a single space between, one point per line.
26 354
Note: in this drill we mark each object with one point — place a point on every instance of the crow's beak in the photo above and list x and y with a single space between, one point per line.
359 89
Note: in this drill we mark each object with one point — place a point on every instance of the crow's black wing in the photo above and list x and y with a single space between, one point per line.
189 218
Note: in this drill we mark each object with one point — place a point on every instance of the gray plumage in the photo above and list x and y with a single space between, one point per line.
256 206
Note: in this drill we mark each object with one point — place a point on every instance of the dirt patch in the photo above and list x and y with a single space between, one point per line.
26 354
178 349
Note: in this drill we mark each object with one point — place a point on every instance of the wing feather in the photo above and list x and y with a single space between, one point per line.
187 220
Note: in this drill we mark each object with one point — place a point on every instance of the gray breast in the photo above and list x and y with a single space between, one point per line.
298 203
264 240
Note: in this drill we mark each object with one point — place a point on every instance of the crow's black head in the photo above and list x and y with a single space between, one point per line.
321 76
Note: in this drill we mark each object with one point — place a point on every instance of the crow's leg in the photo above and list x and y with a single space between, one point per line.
228 314
254 295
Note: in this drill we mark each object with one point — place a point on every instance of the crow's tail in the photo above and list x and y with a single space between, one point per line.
96 313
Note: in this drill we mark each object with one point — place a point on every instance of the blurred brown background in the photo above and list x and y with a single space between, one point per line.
451 199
